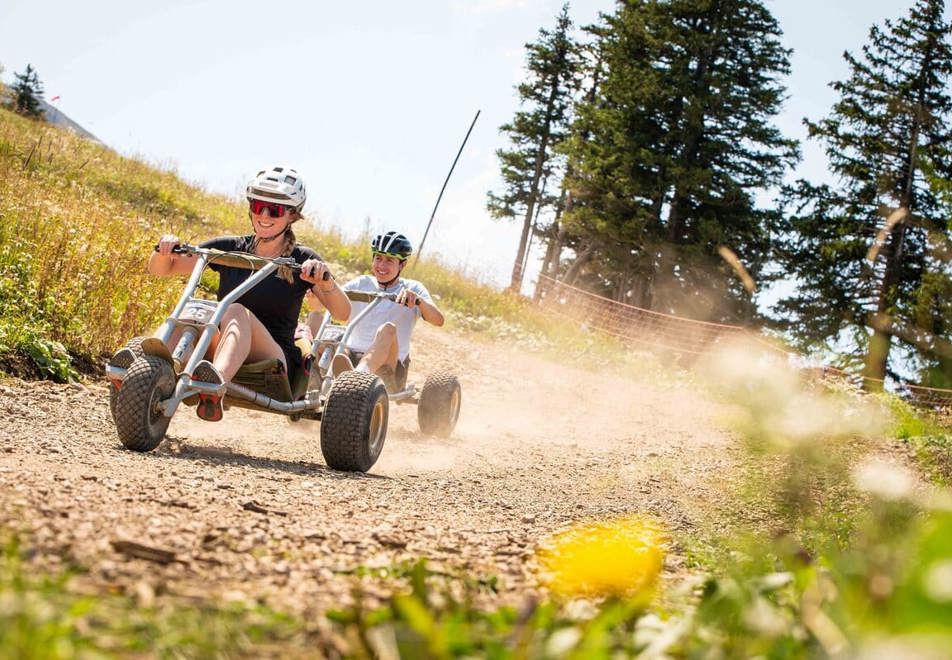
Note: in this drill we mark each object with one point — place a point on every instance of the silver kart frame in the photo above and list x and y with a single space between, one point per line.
325 349
199 319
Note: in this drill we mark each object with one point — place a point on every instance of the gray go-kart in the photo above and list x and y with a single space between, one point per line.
353 408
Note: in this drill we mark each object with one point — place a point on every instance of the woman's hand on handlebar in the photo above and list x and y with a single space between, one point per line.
164 261
315 271
166 243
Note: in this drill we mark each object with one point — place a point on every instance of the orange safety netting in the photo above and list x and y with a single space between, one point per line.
682 335
635 324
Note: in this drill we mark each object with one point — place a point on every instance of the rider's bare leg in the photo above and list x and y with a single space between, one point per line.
177 333
313 321
383 351
242 338
316 316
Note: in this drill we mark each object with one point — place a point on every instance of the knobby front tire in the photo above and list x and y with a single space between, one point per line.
139 422
354 422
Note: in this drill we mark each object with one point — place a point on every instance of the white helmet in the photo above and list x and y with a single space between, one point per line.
278 184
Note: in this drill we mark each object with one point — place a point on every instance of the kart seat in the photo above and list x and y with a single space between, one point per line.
265 377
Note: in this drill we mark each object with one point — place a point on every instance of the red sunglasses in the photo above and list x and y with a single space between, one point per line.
274 210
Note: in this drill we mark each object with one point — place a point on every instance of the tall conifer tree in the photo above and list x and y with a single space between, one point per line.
680 142
863 249
553 63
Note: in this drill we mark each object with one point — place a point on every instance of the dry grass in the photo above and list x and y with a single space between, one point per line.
77 221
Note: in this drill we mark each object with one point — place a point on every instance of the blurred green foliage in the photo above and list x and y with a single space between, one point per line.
44 617
854 561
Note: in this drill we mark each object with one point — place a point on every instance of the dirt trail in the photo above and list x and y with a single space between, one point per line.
539 445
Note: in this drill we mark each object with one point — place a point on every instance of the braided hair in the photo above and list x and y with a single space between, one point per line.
290 240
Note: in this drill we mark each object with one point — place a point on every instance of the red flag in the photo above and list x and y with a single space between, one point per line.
55 98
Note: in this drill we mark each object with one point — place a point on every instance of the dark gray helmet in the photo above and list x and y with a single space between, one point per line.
393 244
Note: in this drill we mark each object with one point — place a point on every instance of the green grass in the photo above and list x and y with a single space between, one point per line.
45 616
934 454
439 616
927 435
76 224
890 586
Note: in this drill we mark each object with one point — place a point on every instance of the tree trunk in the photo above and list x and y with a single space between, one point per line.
641 291
515 283
698 96
553 255
877 357
581 260
533 231
622 286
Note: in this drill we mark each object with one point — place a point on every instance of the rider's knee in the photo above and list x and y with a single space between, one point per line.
387 331
235 311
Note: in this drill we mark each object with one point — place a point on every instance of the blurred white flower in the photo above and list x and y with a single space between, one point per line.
937 581
562 641
763 617
920 647
884 480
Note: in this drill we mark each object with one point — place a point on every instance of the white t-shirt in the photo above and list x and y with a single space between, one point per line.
403 317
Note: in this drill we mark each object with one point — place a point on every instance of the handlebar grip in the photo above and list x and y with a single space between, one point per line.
175 248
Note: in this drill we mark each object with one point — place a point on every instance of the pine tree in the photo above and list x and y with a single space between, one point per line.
531 165
669 157
934 313
863 250
557 234
27 93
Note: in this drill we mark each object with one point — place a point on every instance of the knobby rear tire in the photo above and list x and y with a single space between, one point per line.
140 424
354 422
134 344
440 400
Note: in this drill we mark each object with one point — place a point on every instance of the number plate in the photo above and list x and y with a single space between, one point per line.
198 312
332 333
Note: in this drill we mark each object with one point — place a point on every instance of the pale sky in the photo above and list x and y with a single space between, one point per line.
369 100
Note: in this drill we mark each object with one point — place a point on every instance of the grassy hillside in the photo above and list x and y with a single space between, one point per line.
853 557
77 222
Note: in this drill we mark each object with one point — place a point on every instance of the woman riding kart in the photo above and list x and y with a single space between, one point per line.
381 343
261 324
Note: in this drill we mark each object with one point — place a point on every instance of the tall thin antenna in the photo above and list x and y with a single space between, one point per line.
436 206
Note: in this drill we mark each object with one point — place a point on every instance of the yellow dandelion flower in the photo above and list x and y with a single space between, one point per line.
621 557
